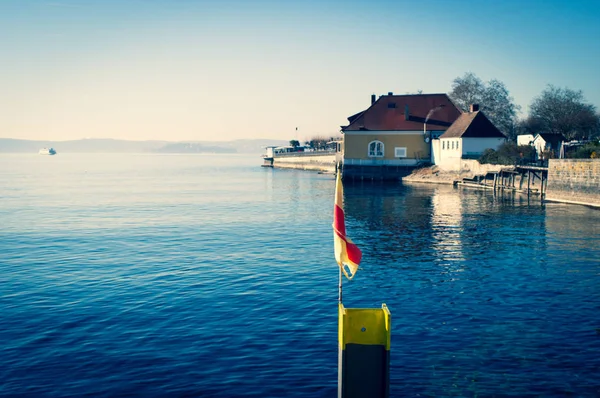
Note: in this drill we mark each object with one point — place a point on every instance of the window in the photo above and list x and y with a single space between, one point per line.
376 149
443 144
452 144
457 142
400 152
391 105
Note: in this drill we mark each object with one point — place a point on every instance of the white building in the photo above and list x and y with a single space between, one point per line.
547 144
525 139
468 137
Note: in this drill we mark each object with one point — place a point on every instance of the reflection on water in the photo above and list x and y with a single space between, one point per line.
447 227
488 293
575 230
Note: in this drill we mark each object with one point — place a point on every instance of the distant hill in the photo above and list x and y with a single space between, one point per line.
9 145
247 146
193 147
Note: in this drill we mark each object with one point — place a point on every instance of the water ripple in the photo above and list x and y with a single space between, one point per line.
208 276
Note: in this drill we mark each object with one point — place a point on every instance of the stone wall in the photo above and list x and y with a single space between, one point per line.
574 181
355 172
306 161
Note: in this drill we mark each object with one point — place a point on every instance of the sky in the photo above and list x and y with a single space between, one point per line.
218 70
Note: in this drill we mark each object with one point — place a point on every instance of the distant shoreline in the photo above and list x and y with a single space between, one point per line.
256 146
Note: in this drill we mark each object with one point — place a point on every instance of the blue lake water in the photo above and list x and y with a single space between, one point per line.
200 275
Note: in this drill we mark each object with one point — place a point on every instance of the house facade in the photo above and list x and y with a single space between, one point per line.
468 137
394 134
548 145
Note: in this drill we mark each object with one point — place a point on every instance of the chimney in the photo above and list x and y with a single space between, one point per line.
474 108
390 93
373 98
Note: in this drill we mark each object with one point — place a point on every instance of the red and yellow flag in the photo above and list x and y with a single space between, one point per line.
347 254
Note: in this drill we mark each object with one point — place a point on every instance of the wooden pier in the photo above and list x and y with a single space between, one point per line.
532 180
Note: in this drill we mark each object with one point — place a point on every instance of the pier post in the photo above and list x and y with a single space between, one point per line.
364 352
521 178
544 184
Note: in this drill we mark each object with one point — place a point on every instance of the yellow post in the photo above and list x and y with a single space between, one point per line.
364 352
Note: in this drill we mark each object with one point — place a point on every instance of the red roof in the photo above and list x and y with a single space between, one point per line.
406 113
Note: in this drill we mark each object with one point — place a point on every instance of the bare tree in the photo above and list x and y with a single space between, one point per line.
529 126
500 108
493 98
467 90
564 111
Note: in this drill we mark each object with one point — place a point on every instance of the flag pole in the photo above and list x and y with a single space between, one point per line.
338 170
340 287
340 306
364 334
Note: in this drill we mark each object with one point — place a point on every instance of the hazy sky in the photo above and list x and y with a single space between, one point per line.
220 70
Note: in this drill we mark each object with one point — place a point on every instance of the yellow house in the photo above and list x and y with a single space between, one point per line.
394 134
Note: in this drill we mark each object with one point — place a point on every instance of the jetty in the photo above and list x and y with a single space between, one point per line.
287 157
529 178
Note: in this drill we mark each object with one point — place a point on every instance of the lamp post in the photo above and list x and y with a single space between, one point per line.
429 114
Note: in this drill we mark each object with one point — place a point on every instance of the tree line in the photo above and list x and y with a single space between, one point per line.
555 110
316 142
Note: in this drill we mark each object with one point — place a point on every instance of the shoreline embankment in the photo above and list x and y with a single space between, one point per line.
437 175
574 181
314 161
570 181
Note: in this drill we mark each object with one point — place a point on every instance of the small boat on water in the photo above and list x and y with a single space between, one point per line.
47 151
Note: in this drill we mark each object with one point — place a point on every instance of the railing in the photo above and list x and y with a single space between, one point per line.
381 162
532 163
297 154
